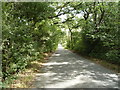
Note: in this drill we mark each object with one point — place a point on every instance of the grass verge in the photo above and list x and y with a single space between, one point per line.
25 78
114 67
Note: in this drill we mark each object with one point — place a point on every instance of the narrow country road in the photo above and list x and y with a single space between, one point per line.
68 70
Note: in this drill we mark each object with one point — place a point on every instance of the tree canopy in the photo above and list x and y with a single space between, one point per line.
32 28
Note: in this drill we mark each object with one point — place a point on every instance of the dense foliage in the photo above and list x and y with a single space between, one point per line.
96 32
27 34
31 29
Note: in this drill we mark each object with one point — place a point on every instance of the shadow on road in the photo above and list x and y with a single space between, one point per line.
68 70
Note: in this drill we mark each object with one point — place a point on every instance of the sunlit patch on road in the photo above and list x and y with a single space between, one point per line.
55 63
68 70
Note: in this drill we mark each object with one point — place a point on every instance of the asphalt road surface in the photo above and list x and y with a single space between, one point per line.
66 69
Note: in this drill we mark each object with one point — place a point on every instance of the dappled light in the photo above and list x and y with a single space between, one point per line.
72 71
61 44
55 63
46 74
56 54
